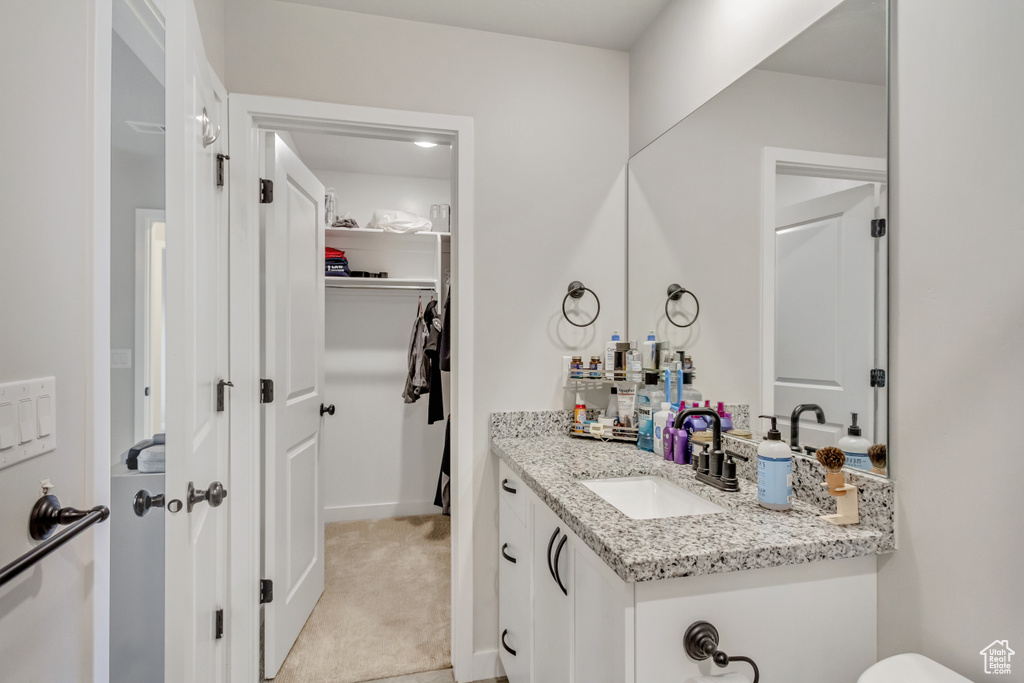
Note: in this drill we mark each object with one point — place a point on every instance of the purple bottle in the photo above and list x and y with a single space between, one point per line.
669 442
680 452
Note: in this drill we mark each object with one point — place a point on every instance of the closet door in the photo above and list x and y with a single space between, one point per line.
293 318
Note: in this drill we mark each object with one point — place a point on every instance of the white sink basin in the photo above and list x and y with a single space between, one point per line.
650 497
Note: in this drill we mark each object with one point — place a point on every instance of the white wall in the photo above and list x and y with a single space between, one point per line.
550 135
212 16
695 212
53 321
957 241
363 193
698 47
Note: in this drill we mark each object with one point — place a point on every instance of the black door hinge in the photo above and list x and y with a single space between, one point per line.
221 158
218 624
266 391
878 227
878 377
220 394
266 591
266 191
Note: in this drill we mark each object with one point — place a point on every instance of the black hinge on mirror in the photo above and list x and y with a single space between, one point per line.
220 394
221 158
266 391
878 227
266 591
878 377
218 624
266 191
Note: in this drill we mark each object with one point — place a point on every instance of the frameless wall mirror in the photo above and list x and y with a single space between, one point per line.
768 203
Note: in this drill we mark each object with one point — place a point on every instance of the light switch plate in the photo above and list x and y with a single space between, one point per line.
28 419
120 359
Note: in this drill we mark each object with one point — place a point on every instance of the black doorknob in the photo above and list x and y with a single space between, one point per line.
326 409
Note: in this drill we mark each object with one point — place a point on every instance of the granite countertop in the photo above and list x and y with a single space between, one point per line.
746 536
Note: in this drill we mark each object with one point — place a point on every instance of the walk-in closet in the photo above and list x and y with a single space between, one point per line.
385 608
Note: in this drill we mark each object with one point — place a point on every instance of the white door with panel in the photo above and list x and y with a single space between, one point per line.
197 358
293 359
825 312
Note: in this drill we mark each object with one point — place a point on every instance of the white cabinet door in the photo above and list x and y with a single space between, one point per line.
553 593
515 619
197 357
602 620
293 316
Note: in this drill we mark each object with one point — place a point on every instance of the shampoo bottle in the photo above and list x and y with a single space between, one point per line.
725 417
855 447
774 471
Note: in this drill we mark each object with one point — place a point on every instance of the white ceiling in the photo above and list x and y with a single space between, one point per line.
340 153
611 24
848 44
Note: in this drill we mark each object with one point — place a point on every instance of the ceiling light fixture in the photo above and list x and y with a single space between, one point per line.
425 144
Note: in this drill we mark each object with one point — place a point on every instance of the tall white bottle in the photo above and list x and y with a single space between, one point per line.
855 447
774 471
651 352
609 355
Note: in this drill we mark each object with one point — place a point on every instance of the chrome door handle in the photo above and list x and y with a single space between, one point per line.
214 495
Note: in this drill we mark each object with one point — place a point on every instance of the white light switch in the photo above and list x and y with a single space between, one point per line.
8 425
44 416
28 423
26 420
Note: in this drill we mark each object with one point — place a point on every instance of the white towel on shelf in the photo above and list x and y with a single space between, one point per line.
393 220
153 459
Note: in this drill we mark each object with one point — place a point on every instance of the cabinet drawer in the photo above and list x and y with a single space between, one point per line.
512 490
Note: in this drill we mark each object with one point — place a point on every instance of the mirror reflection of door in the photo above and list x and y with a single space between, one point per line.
150 337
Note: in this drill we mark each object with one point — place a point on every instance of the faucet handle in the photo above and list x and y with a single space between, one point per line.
734 454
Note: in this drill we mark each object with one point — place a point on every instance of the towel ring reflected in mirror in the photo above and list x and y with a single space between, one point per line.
576 291
675 293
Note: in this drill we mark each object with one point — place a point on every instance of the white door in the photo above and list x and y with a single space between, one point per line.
293 324
825 312
197 358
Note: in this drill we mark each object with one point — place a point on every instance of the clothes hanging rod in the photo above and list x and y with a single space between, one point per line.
46 515
407 287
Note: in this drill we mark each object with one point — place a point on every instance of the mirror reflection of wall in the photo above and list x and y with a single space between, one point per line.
137 185
790 312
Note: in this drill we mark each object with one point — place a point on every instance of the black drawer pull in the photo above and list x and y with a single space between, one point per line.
506 487
551 544
558 577
505 645
506 555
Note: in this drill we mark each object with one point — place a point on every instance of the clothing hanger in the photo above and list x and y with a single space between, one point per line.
419 306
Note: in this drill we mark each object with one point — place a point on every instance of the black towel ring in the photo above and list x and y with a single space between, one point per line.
675 293
576 291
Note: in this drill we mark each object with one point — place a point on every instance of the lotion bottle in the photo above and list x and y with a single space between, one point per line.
774 471
660 423
609 355
855 447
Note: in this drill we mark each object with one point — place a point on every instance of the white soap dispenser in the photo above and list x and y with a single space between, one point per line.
774 471
855 447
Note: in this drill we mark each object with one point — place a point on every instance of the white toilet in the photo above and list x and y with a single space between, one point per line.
910 668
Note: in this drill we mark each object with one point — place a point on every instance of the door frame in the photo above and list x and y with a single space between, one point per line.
818 165
248 115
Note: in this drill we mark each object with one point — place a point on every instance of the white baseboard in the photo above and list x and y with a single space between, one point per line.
486 666
351 513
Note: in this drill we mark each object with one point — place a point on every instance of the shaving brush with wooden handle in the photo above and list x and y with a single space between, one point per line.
877 455
833 460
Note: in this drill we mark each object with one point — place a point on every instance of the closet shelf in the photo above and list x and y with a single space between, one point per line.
338 232
380 283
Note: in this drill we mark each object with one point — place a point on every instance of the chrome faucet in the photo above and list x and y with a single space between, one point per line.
713 469
794 423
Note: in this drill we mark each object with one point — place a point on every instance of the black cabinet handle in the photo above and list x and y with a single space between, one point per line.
558 577
506 555
506 487
551 544
505 645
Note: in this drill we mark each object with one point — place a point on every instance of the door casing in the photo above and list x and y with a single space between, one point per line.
248 116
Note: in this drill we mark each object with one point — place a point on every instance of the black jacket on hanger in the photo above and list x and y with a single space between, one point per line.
432 349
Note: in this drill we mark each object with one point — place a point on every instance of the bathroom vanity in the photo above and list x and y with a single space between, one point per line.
591 594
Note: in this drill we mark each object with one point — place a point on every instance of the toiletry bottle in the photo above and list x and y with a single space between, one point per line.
669 440
580 414
651 352
855 447
681 448
774 471
690 392
660 422
613 405
634 363
609 355
725 417
645 414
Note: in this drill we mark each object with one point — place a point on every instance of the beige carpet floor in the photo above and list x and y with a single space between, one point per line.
386 608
